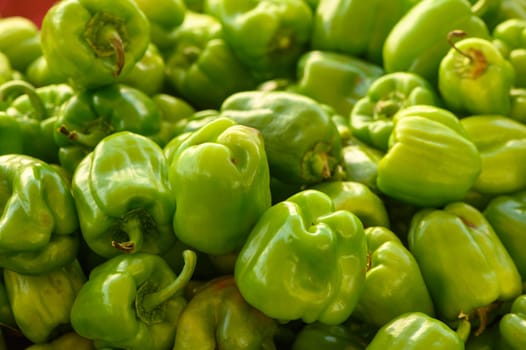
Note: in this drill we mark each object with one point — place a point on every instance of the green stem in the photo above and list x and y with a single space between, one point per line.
88 140
464 328
152 300
132 225
14 88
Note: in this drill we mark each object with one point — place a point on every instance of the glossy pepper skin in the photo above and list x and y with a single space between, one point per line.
41 304
217 317
302 142
406 50
39 224
89 116
129 212
394 283
267 36
219 177
93 42
468 268
336 79
370 21
200 59
415 331
512 325
371 118
19 41
509 38
132 302
506 215
304 260
431 161
475 78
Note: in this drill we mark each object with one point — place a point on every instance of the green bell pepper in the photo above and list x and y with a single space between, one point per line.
89 116
301 140
509 37
304 260
336 79
506 215
6 70
475 78
319 336
267 36
219 177
415 331
369 22
94 42
38 229
512 325
501 142
359 163
217 317
19 41
132 302
431 161
200 59
173 109
418 41
41 304
394 283
67 341
10 135
371 119
358 199
39 74
123 198
518 105
467 269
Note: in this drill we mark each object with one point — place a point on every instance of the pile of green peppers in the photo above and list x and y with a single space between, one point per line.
264 175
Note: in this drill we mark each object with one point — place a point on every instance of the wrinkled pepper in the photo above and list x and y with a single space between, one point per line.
217 317
301 140
371 118
406 50
336 79
219 177
304 260
510 38
467 269
512 325
39 224
19 41
41 304
132 302
94 42
123 198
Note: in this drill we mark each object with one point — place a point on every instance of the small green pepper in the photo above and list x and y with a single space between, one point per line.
512 325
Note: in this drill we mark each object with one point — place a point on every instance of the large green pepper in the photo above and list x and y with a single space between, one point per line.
369 22
467 269
19 41
124 201
267 36
371 119
507 217
200 59
431 160
319 336
416 331
418 41
217 317
304 260
220 181
301 140
42 303
132 302
512 325
93 42
336 79
38 227
393 282
475 78
67 341
501 142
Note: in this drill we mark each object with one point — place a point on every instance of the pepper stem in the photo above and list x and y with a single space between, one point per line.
88 140
464 327
14 88
153 300
477 61
132 226
458 34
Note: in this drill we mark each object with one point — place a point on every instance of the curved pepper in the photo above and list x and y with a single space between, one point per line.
512 325
132 302
475 78
220 181
371 119
38 226
304 260
124 201
509 38
93 42
431 161
301 140
217 317
465 266
19 41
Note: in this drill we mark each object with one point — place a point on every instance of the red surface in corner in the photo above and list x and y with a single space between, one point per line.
32 9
